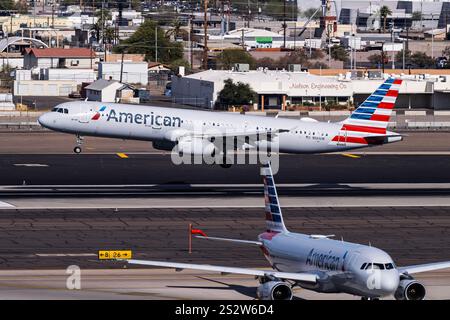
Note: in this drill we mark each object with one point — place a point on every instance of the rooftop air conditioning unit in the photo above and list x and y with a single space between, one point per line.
294 67
242 67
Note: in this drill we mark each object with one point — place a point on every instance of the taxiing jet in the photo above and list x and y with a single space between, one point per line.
317 262
195 132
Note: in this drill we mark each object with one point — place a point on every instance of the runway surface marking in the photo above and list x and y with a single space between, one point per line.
122 155
30 165
51 255
349 155
6 205
190 202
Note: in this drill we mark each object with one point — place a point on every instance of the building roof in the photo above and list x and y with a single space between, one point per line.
5 42
61 52
100 84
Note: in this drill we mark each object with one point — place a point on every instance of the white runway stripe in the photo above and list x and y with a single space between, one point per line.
5 205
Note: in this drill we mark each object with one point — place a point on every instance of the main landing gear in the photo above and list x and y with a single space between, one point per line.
77 148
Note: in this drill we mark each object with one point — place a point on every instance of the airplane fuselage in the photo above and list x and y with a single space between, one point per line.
342 266
164 124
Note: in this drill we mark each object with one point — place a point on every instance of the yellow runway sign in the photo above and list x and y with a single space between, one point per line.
122 155
114 254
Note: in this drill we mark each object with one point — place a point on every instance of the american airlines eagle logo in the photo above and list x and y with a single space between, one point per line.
97 114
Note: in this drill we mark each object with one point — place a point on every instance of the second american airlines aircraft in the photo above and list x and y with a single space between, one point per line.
202 132
316 262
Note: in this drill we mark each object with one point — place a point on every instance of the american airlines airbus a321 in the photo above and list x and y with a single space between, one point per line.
195 132
316 262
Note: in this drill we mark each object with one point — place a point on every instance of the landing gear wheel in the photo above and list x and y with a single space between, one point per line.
77 149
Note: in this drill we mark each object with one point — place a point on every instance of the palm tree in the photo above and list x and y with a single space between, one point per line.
175 29
384 13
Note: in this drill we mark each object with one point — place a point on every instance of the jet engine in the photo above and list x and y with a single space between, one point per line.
196 146
410 289
274 290
163 145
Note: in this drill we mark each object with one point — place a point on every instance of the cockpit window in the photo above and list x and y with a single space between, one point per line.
66 111
60 110
378 266
54 109
363 266
389 266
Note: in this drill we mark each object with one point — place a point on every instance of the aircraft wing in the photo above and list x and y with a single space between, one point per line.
306 277
257 243
424 267
246 136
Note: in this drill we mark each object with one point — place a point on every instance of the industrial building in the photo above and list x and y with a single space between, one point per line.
285 90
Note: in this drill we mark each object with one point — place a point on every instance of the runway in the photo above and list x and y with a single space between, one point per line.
141 170
49 238
48 241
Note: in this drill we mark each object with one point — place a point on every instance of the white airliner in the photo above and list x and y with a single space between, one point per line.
317 262
202 132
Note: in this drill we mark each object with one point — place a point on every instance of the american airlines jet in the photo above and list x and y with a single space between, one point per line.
316 262
203 132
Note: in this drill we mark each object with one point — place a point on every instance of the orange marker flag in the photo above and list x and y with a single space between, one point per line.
194 231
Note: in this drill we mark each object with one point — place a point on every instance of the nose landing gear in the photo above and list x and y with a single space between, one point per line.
77 149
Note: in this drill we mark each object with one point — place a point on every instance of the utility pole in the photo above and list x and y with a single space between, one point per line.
205 40
284 24
156 44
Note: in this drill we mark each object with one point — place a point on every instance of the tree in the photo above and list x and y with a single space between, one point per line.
180 63
267 62
399 56
422 60
103 15
227 58
235 94
446 51
416 16
295 57
143 41
339 53
309 12
7 5
375 60
385 11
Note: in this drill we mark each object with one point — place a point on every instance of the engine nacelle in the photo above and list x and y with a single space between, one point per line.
274 290
410 289
163 145
196 146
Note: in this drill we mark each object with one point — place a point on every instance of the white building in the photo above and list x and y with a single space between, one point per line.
279 89
44 88
133 72
77 75
72 58
110 91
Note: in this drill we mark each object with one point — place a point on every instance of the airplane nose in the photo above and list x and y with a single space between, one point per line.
45 120
389 282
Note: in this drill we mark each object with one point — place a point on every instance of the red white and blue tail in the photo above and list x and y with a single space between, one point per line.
274 218
371 118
